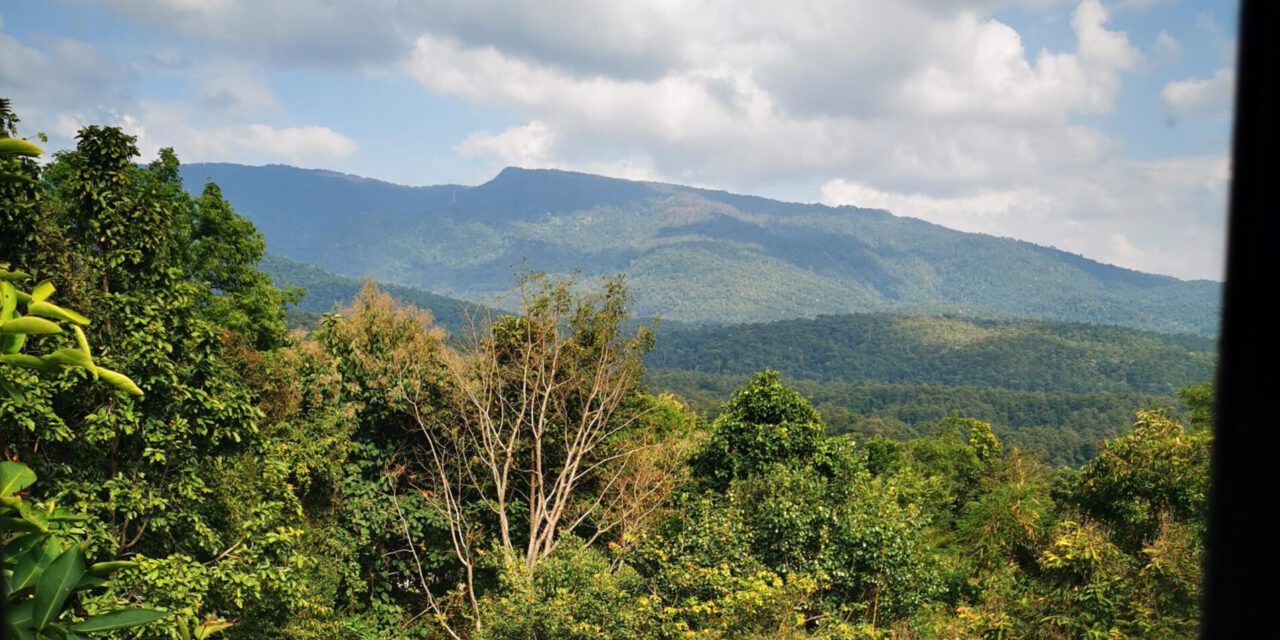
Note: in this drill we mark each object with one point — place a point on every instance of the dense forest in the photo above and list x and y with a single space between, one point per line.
1054 389
1059 428
177 464
1022 355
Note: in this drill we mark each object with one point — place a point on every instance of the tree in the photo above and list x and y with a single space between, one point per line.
179 480
1158 470
536 429
762 424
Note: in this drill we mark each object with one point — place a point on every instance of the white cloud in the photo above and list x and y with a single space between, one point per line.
1201 96
1163 216
525 146
233 89
1167 46
166 125
986 73
60 85
975 111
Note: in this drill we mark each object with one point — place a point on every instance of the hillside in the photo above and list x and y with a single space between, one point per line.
324 291
690 255
1024 355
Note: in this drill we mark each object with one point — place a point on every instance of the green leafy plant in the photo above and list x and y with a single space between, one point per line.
45 318
44 569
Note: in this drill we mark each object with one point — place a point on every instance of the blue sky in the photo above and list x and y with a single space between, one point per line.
1098 127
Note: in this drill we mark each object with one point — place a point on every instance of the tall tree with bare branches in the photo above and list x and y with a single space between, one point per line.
545 404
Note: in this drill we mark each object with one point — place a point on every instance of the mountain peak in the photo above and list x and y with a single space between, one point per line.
520 191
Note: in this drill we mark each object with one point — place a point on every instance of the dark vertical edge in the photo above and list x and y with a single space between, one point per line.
1242 576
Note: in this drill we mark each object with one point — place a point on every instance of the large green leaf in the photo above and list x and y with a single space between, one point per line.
22 544
31 566
71 357
19 621
12 342
42 291
29 325
8 300
59 578
9 523
18 147
30 362
14 477
122 619
50 310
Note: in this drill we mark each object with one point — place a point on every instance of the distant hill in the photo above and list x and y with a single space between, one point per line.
326 291
1024 355
690 255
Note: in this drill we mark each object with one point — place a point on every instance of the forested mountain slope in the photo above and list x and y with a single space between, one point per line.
325 291
690 255
1025 355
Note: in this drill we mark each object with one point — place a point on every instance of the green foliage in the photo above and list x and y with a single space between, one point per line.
1158 470
1061 428
327 291
1022 355
182 481
40 320
223 251
1199 400
44 568
577 593
763 424
339 483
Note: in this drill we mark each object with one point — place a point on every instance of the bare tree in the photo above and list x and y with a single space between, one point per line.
541 407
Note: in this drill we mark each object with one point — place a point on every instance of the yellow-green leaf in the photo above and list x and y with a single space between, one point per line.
107 568
14 477
30 362
42 291
50 310
18 147
70 357
120 381
29 325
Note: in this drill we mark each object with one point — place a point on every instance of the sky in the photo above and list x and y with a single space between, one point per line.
1100 128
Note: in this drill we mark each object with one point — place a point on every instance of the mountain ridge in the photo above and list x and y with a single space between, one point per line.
690 254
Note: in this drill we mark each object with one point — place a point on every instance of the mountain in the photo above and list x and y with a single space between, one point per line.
691 255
